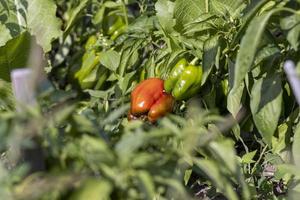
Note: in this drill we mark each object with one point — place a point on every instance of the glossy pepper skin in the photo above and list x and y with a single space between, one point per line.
148 100
184 80
161 107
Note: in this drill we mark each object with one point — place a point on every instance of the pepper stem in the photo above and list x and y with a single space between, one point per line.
194 61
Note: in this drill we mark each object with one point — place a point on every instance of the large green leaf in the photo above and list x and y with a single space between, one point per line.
249 45
228 7
14 55
209 56
43 23
265 104
165 11
186 11
36 16
251 10
12 20
234 98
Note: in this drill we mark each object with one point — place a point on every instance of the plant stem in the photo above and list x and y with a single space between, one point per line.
259 159
194 61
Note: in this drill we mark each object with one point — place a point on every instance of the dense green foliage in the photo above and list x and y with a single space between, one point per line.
238 137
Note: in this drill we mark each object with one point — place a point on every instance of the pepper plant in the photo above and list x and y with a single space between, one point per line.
233 132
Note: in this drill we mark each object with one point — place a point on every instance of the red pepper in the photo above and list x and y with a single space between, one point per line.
161 107
149 99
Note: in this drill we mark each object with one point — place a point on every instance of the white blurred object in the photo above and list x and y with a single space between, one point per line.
23 89
289 68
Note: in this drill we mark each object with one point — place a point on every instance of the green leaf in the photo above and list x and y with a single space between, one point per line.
294 190
279 144
293 37
124 82
186 11
248 157
93 144
283 169
165 10
249 45
224 151
75 14
14 55
93 189
212 170
187 176
231 8
99 15
291 24
249 13
128 51
43 23
199 27
142 160
4 35
175 186
265 104
234 98
296 145
146 185
116 114
266 52
63 113
110 59
12 19
209 56
7 99
128 144
143 24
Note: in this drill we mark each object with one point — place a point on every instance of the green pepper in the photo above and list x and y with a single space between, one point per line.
114 24
175 73
116 27
118 32
91 73
224 85
184 80
90 42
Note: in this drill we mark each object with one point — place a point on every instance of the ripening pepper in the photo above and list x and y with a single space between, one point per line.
149 100
91 74
184 80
